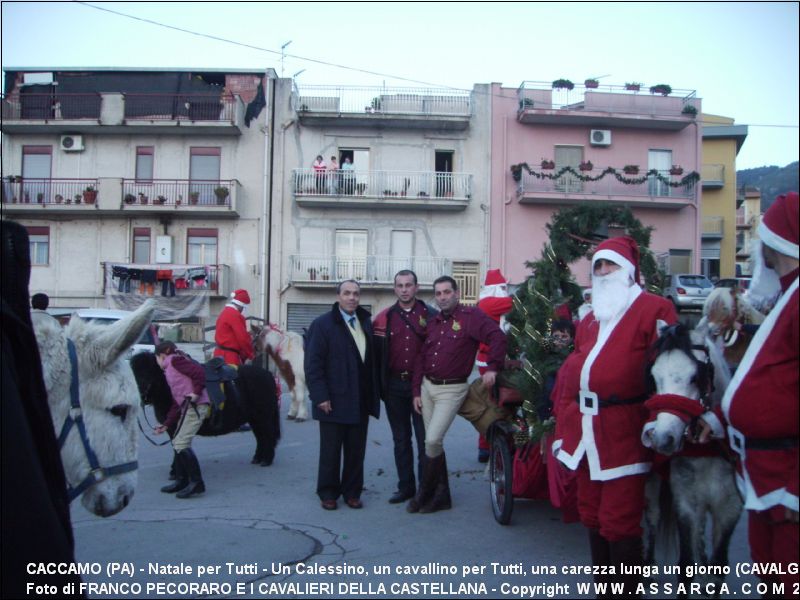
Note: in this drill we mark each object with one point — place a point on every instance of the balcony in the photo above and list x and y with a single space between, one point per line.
713 228
568 189
407 108
325 270
415 190
115 196
187 280
123 113
712 176
605 106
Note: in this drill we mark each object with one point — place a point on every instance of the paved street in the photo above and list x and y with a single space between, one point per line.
264 527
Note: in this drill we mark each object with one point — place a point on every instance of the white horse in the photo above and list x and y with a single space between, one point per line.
725 316
285 348
690 376
84 364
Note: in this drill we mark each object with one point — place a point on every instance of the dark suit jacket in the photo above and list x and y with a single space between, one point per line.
335 372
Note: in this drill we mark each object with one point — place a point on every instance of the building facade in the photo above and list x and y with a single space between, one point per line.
607 126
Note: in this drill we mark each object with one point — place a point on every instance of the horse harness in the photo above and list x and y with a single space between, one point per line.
75 417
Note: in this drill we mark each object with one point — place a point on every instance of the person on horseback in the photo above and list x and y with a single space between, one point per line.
599 408
190 407
233 342
760 406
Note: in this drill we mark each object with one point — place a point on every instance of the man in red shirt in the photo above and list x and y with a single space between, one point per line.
440 382
233 342
600 408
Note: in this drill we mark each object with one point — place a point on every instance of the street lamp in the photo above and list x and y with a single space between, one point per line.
283 54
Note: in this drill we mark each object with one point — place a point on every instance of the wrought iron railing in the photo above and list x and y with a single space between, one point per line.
174 107
178 192
51 107
386 184
49 191
713 226
713 173
607 186
382 100
320 268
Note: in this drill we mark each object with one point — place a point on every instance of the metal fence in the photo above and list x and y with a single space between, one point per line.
52 107
49 191
368 269
414 184
382 100
176 192
172 107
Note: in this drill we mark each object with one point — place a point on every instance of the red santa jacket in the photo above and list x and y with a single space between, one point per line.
495 308
609 365
233 342
761 406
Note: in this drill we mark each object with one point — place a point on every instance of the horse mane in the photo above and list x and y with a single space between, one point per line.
673 337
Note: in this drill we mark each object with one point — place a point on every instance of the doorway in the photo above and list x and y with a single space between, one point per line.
443 165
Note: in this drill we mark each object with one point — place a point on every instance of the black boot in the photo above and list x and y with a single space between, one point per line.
173 468
196 485
440 499
601 556
426 486
628 552
181 475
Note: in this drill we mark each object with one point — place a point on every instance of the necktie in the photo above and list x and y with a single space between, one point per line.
352 322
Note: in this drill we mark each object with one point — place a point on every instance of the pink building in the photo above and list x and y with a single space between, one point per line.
609 126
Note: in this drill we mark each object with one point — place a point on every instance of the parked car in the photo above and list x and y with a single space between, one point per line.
740 284
685 290
106 316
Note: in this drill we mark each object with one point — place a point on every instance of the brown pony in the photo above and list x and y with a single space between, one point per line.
726 314
285 348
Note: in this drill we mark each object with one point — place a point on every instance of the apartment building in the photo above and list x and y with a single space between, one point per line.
607 126
411 191
722 140
138 183
748 218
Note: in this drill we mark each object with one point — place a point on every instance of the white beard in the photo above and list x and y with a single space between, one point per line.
766 285
610 294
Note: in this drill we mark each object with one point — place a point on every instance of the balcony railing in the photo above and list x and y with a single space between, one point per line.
712 175
381 100
326 268
178 192
52 107
177 107
609 186
713 227
535 95
49 191
383 184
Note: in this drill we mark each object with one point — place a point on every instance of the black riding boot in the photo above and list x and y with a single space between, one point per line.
427 484
628 552
196 485
601 556
173 468
440 499
181 475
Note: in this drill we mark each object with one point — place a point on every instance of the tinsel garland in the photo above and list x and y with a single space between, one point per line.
688 179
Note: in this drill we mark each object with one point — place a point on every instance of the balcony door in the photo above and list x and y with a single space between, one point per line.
444 173
351 254
36 169
568 156
204 170
660 160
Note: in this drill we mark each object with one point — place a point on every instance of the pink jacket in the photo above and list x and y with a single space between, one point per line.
184 377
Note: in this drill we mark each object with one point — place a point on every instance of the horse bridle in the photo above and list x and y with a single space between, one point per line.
75 418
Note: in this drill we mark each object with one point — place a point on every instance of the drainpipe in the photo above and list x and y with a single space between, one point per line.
266 203
698 191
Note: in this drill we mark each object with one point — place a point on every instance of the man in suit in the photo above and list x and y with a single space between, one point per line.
342 385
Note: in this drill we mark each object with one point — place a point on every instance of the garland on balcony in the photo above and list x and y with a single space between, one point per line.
689 178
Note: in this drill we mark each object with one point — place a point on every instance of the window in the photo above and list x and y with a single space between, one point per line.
351 254
466 275
141 245
36 164
39 239
204 170
568 156
144 164
661 160
201 246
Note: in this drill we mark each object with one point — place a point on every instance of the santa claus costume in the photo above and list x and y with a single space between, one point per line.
761 407
233 342
600 410
495 301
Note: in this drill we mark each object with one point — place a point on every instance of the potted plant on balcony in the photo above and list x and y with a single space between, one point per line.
77 198
129 198
633 86
194 197
676 170
690 110
143 199
221 192
312 273
59 198
40 198
563 84
548 164
592 83
586 165
160 200
89 195
661 88
631 169
324 273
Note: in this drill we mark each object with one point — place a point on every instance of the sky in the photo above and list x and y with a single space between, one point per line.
740 57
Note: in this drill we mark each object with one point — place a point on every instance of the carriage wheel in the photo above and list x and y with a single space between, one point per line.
500 474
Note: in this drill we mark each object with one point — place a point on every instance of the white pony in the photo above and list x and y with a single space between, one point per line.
99 438
725 316
690 376
285 348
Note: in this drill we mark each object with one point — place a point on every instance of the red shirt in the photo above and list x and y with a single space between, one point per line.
406 335
452 341
231 333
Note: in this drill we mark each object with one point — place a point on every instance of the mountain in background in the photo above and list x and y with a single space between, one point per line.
772 181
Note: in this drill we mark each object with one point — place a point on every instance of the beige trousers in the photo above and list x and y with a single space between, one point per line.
191 423
440 404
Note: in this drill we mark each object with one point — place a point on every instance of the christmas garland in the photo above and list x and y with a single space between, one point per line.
688 179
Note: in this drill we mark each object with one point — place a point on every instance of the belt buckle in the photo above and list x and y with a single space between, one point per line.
589 402
737 441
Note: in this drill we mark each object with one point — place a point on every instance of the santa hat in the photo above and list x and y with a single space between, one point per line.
240 298
586 293
778 227
495 277
622 251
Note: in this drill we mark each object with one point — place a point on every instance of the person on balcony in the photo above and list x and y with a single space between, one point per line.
333 177
320 167
348 176
233 342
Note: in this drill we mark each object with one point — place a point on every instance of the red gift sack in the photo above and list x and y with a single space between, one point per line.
530 473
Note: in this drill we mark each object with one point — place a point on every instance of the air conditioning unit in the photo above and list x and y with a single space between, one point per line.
72 143
600 137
